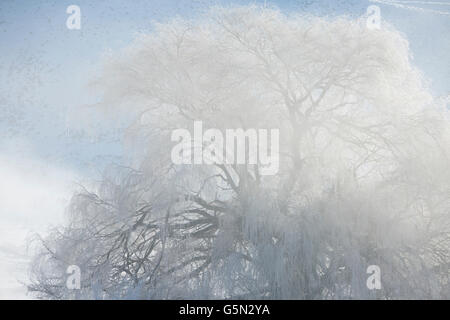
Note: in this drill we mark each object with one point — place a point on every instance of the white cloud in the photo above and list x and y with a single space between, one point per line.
33 195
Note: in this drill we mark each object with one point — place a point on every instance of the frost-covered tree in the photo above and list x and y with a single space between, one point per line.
363 176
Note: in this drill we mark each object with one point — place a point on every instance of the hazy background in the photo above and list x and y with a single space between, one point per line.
50 139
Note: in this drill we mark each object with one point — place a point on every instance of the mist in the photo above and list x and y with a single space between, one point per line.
362 184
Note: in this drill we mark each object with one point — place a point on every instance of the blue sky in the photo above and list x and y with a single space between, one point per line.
45 67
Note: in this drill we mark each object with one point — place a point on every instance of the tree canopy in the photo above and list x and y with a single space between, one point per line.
362 178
